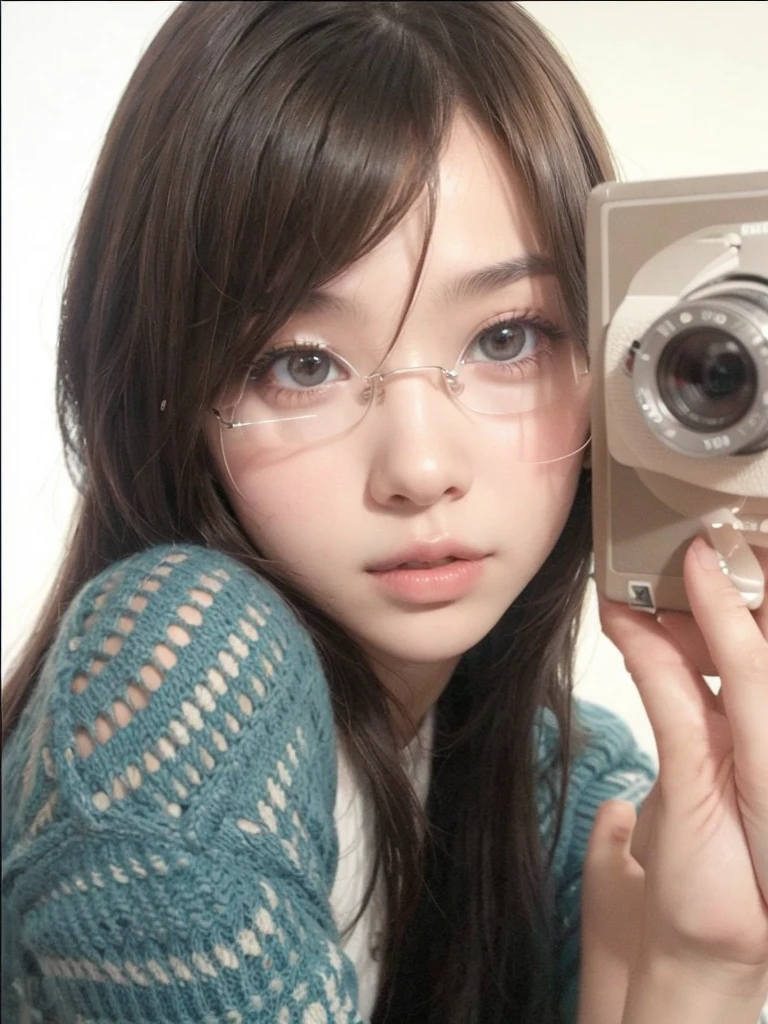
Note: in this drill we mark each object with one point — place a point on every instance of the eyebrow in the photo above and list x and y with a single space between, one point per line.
475 283
497 276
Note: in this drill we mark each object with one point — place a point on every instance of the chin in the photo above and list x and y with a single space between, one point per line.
431 637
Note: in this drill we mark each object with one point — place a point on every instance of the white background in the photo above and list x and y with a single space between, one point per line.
681 88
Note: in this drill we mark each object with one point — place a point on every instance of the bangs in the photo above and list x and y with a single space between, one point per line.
325 148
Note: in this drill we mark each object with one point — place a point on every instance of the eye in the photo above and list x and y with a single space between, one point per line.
301 368
503 342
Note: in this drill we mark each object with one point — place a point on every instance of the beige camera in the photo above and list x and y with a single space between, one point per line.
678 309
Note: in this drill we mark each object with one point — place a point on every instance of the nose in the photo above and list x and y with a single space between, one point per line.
419 444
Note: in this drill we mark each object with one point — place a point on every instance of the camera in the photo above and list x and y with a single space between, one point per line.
677 276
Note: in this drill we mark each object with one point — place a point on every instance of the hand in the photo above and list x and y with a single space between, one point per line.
706 832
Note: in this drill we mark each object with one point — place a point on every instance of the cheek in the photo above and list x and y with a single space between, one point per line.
539 458
271 498
550 436
531 502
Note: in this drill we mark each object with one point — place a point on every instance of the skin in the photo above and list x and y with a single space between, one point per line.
418 468
676 908
691 941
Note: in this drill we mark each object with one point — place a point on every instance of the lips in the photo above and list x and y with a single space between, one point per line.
430 576
428 556
427 565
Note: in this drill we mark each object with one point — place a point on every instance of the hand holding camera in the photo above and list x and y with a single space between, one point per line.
679 338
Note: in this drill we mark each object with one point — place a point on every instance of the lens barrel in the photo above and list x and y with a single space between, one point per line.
707 379
700 372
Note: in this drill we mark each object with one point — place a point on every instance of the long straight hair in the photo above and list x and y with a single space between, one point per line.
259 149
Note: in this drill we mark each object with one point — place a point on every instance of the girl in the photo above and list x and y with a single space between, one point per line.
294 739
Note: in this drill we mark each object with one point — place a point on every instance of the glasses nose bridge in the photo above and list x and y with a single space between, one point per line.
378 381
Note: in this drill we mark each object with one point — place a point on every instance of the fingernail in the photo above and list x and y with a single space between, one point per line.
734 557
707 556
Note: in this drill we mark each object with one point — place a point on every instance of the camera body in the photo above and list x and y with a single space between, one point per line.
678 334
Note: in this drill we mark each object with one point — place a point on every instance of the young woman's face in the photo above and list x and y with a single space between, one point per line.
416 528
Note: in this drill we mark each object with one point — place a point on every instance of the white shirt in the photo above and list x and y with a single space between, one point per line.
354 825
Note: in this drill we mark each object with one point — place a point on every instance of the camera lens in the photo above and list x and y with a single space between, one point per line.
707 379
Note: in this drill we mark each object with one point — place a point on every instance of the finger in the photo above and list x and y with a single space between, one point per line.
609 868
685 631
761 615
738 647
678 701
642 836
610 840
612 909
688 637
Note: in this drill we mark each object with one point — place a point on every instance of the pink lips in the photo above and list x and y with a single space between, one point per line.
427 554
430 573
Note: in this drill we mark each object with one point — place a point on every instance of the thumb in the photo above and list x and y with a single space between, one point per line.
611 838
610 872
612 907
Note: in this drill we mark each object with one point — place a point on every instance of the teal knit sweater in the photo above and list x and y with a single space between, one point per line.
168 835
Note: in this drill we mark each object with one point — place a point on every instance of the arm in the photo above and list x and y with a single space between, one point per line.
181 871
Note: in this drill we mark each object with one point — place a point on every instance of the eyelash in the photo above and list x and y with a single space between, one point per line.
261 366
530 318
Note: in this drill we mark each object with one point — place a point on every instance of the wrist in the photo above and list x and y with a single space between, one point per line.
662 987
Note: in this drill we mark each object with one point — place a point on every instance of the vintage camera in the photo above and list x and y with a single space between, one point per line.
678 309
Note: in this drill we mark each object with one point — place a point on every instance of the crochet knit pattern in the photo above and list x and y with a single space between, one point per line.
168 835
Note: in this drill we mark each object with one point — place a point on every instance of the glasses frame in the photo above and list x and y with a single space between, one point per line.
375 390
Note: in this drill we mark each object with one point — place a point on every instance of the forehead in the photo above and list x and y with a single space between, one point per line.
482 218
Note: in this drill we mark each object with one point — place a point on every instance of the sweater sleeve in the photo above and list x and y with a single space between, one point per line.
171 848
608 765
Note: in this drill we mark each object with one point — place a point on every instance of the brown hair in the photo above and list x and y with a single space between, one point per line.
259 149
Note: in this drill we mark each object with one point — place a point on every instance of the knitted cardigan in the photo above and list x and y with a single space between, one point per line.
168 835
